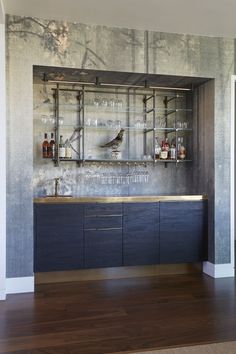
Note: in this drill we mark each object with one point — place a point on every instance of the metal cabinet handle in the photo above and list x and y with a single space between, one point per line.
102 216
104 229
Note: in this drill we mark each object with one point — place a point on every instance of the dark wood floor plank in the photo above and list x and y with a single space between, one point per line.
111 316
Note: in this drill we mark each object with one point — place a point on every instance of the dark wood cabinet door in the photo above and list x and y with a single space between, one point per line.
58 237
140 233
182 231
103 248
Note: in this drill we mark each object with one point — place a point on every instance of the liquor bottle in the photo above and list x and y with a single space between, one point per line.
178 146
52 147
166 145
68 150
172 150
157 150
164 149
181 149
62 150
45 146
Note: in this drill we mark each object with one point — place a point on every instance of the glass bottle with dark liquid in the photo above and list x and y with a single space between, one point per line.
45 146
51 152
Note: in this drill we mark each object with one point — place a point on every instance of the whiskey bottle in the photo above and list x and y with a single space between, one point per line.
52 147
164 149
62 149
45 146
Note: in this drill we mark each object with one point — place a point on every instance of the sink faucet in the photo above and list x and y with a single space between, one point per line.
56 185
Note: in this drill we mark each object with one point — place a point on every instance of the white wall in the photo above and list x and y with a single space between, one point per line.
3 157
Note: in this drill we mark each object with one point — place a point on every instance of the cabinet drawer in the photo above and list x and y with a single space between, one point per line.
102 222
93 209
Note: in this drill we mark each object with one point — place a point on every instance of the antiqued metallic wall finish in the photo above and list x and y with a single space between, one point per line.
32 41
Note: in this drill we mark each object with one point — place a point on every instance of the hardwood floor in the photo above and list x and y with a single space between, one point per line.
109 316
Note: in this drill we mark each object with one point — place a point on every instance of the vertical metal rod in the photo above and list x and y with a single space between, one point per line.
190 119
79 121
154 125
57 132
145 120
128 121
176 133
146 41
83 134
166 118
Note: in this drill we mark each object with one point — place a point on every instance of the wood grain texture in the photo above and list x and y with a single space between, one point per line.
122 315
103 248
117 272
182 232
101 222
101 209
140 233
58 237
75 236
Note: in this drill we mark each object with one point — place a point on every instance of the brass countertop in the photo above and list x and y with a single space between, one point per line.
113 199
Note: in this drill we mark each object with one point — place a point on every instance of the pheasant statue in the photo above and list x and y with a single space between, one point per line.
116 142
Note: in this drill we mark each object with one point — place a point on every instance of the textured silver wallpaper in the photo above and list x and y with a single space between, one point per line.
32 41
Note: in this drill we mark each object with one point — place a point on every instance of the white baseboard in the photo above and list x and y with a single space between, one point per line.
218 270
20 285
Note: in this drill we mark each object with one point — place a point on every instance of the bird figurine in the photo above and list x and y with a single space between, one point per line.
116 142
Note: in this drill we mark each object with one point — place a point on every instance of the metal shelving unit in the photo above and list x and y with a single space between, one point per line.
150 129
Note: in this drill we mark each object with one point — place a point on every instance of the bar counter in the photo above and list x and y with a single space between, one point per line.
74 233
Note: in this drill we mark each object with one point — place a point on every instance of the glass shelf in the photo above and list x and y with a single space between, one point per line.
172 130
108 160
124 160
172 161
141 129
104 109
135 110
117 128
49 104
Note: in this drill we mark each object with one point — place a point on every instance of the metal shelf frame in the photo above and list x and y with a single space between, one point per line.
148 97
